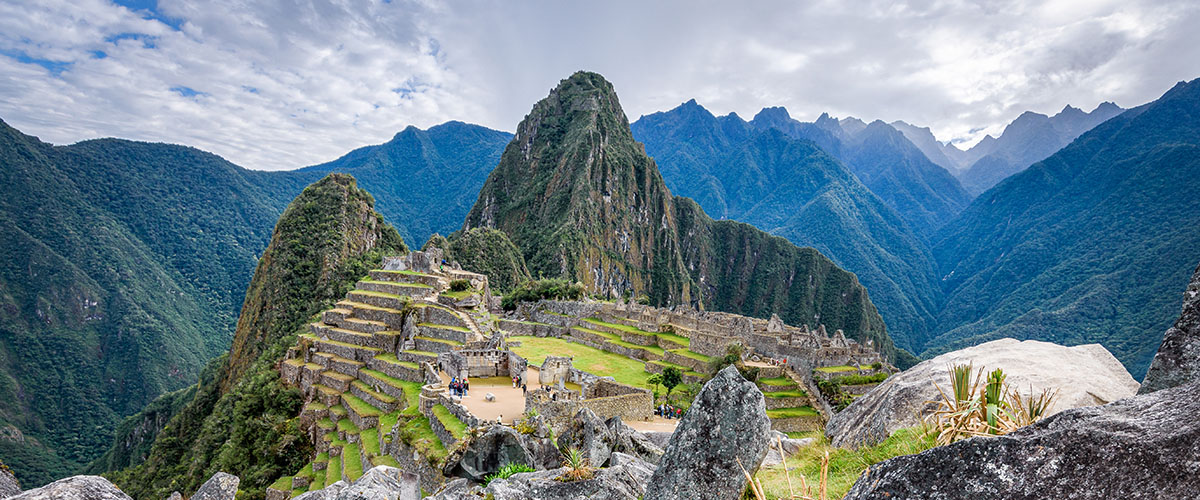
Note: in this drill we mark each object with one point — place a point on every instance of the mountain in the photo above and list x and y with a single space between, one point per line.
123 264
581 199
1029 139
1088 245
923 193
425 180
792 188
241 419
947 156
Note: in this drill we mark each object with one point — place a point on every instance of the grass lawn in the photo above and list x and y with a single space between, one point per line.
370 441
678 339
353 463
456 427
803 411
694 355
843 368
616 339
783 381
362 408
421 437
624 370
786 394
333 473
845 466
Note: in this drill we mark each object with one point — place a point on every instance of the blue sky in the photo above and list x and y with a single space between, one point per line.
277 85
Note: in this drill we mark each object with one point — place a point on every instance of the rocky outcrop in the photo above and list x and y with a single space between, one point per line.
623 482
628 440
1085 375
327 493
588 433
75 488
381 483
486 454
1146 446
221 486
790 447
1178 359
726 425
9 485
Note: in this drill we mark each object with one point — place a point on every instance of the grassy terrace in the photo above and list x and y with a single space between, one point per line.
372 392
360 305
315 406
679 339
396 283
359 406
347 344
616 339
338 411
694 355
803 411
406 273
418 433
843 368
624 370
333 473
390 358
326 423
786 394
345 425
446 327
683 369
456 427
459 295
351 462
777 381
370 441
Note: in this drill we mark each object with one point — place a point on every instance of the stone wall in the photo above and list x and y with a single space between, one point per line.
529 328
796 424
411 460
711 345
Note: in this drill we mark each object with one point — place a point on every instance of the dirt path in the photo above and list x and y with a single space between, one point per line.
509 403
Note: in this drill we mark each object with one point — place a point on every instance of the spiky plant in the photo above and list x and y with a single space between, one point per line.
577 466
1025 410
993 400
507 471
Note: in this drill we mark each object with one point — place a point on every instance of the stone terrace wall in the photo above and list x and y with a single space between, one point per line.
604 388
711 345
636 406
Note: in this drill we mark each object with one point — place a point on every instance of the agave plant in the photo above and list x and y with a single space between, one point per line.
577 466
993 409
993 400
1025 410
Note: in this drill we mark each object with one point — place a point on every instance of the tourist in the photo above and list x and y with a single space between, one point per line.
522 389
466 387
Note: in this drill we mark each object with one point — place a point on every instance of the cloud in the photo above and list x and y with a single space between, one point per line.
274 85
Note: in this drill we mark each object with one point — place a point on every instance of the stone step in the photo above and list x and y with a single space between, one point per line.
445 332
337 381
361 413
336 315
387 384
409 277
387 340
417 356
339 364
438 314
403 289
378 299
357 324
390 365
347 350
331 332
327 395
433 345
384 402
369 312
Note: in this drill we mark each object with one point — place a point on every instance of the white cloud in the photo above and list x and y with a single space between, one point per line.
275 85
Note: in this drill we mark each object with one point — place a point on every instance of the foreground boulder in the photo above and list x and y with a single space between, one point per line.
75 488
381 483
726 424
628 440
9 485
626 481
221 486
1178 358
588 433
495 448
1085 375
327 493
1146 446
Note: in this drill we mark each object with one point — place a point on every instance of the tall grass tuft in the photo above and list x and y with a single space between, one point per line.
993 409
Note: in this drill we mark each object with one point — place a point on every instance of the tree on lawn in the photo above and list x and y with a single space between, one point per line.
671 377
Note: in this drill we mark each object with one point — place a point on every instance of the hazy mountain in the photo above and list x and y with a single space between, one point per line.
581 199
792 188
1029 139
1089 245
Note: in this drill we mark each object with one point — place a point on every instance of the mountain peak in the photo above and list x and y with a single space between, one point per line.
774 114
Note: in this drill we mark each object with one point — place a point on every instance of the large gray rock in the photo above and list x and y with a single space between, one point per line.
75 488
790 447
1178 358
628 440
221 486
492 450
727 423
9 485
382 483
589 434
1085 375
1144 447
623 482
329 492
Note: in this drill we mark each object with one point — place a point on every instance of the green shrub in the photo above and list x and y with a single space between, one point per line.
535 290
507 471
459 285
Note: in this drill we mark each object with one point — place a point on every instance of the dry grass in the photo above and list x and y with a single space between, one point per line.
989 408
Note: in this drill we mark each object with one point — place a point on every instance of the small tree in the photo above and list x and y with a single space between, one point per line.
671 377
655 379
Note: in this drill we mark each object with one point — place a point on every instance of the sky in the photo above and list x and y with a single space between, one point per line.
276 85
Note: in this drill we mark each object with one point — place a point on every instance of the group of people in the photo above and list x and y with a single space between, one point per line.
459 387
668 411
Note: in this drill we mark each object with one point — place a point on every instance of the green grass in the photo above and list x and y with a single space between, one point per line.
338 411
405 272
407 284
316 406
694 355
370 441
786 394
421 436
345 425
362 408
803 411
679 339
616 339
686 370
845 465
589 359
347 344
317 483
459 295
451 343
391 358
326 423
446 327
778 381
456 427
385 460
322 457
353 463
283 484
333 473
362 386
860 379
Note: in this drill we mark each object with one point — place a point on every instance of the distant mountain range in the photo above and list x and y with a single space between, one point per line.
1027 140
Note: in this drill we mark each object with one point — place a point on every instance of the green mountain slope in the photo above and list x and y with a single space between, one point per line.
242 418
1087 246
581 199
791 188
117 284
